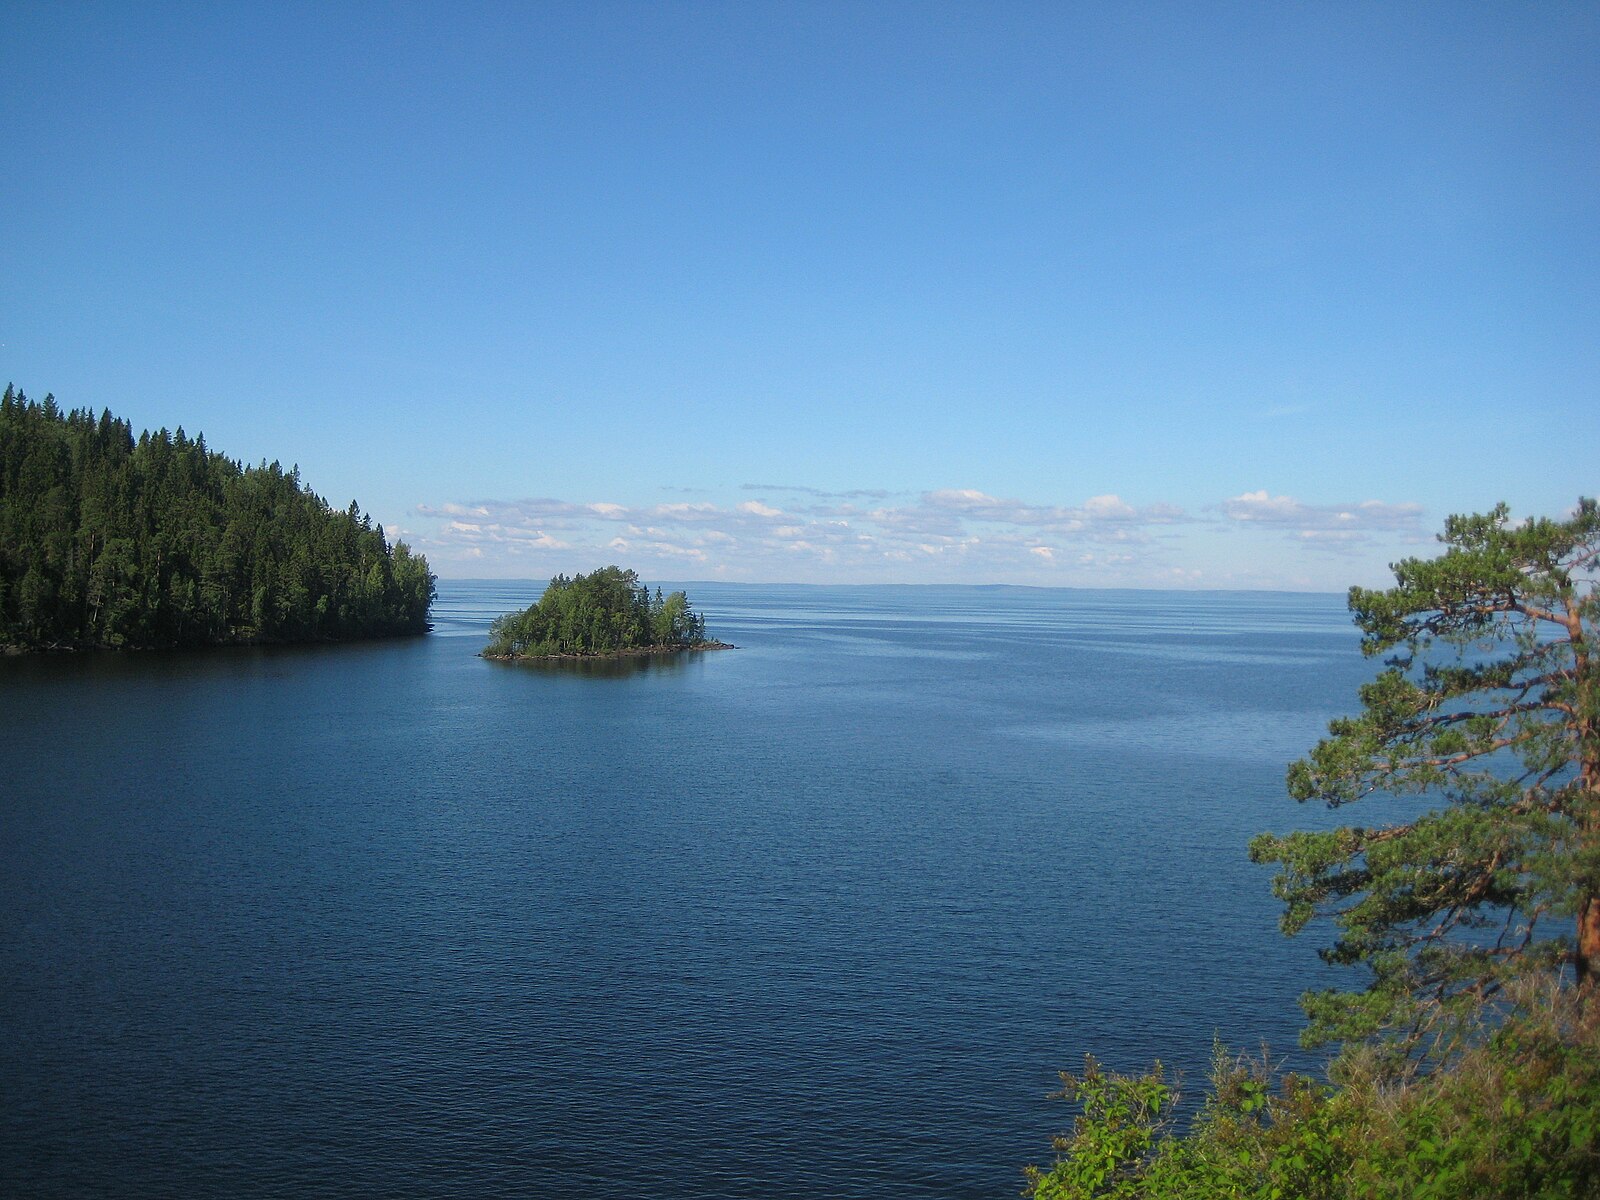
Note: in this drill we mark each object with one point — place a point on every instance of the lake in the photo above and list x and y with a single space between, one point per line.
821 916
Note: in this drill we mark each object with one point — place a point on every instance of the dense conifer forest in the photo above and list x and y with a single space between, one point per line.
110 540
606 612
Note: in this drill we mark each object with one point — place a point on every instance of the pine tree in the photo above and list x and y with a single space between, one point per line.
1490 704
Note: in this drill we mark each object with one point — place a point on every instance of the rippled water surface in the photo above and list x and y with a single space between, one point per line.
818 917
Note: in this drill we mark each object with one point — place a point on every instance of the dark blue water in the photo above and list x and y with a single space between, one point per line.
818 917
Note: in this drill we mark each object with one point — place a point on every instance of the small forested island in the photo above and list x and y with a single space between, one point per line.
112 541
606 613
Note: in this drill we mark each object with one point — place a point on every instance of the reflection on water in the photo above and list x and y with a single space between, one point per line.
621 666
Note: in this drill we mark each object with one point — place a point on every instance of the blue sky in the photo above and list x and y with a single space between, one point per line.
1098 295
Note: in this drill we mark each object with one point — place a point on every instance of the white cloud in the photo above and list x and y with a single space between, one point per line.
1095 517
1286 510
1323 525
1109 508
966 498
995 535
799 489
942 535
1258 506
673 550
682 511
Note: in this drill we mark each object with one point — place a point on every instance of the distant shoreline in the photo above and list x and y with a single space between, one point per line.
627 652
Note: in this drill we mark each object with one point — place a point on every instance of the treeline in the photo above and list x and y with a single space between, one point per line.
605 612
110 540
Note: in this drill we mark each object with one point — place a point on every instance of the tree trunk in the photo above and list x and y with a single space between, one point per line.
1588 957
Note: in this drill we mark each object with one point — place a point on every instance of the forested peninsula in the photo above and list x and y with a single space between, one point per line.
108 540
606 613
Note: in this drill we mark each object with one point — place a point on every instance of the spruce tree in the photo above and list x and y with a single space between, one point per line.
108 541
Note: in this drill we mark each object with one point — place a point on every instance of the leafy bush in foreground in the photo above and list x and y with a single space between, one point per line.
1518 1116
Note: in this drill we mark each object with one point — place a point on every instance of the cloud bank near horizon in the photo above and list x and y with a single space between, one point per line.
1324 523
950 535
